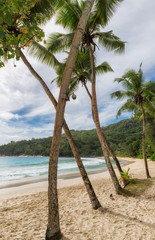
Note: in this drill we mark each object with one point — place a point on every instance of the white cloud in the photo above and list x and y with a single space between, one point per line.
19 91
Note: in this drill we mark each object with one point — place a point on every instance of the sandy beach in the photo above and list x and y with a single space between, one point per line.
23 209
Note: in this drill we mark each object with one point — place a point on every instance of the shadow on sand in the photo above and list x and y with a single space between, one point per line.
65 238
132 219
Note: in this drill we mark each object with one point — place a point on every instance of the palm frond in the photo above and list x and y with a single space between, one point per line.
125 82
69 15
106 8
111 42
136 79
137 91
73 86
128 106
150 86
103 68
43 55
58 42
119 94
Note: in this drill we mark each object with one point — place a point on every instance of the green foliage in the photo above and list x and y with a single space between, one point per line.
13 29
152 157
138 186
68 16
139 94
125 176
19 24
124 138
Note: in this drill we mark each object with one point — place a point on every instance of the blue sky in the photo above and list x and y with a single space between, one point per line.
25 110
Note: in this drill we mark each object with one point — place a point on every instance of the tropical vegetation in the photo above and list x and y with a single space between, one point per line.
53 227
68 17
125 137
140 96
20 23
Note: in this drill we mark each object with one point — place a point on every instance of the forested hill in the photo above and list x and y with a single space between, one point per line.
124 137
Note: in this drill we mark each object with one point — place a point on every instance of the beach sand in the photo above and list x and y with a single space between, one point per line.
23 209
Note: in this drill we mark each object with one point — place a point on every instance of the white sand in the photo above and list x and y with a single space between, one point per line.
23 210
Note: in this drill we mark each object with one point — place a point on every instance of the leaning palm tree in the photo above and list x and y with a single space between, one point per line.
53 227
139 96
38 15
53 61
81 73
68 16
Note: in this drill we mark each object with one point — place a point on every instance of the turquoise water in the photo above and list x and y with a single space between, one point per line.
16 168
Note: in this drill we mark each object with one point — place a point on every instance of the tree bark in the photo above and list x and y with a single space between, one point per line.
87 90
107 144
93 198
144 144
98 127
53 227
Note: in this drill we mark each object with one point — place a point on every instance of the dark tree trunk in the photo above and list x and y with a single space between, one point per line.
98 127
93 198
144 144
53 227
107 144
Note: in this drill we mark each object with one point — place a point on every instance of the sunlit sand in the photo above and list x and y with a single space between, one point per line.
23 209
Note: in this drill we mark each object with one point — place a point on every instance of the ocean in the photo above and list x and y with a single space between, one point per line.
20 168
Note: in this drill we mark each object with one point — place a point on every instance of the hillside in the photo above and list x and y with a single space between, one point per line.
124 137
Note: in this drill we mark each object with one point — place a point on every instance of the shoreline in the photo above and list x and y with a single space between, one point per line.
39 184
63 176
24 209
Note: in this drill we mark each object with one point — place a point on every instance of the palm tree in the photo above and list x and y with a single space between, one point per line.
81 73
139 95
53 227
68 16
93 198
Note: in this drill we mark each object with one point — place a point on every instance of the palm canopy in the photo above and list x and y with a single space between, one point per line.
69 16
81 72
138 92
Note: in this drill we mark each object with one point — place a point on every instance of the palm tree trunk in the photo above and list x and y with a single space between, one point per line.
87 90
53 227
93 198
144 144
98 127
106 142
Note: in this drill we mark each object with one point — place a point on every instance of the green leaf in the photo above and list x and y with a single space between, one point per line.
1 52
1 64
2 35
8 19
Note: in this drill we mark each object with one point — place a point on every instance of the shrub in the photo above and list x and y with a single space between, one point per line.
152 157
125 176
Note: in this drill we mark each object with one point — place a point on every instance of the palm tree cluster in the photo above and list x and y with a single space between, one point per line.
69 16
85 22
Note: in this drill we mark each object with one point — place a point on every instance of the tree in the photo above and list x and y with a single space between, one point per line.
81 73
53 227
19 24
93 198
139 96
68 16
13 40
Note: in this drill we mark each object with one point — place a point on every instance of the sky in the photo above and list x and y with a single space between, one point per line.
25 110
